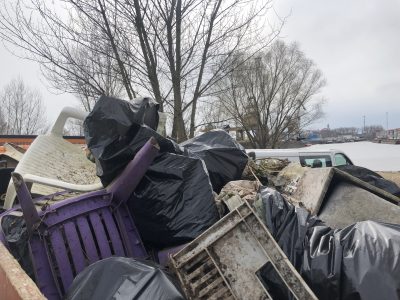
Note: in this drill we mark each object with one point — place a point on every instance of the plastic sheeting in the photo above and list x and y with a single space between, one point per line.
360 261
372 178
174 202
225 158
116 129
124 279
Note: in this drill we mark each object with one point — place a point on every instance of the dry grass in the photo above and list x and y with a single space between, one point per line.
392 176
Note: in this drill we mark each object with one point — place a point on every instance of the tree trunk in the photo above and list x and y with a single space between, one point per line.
202 67
178 127
193 116
125 78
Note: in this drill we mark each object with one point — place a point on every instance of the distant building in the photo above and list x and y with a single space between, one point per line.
393 134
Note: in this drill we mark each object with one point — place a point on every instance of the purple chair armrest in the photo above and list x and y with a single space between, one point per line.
30 213
124 185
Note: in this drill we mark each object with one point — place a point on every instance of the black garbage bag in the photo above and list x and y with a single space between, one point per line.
5 176
360 261
16 236
225 158
116 129
125 279
372 178
146 111
174 201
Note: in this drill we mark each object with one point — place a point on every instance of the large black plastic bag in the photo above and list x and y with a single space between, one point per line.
174 201
225 158
114 132
16 238
360 261
372 178
146 111
124 279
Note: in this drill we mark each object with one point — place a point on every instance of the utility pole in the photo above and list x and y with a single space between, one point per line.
387 121
364 125
387 124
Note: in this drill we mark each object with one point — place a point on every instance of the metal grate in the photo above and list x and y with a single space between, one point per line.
202 275
225 262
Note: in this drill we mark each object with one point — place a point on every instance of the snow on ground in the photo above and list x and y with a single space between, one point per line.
377 157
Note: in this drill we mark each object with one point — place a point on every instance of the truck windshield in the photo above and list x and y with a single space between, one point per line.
341 160
316 161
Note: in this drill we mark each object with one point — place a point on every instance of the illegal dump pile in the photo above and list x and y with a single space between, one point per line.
200 220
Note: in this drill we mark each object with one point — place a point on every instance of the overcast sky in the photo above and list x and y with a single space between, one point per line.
355 43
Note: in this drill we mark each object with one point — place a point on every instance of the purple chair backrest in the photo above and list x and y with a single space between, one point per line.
74 233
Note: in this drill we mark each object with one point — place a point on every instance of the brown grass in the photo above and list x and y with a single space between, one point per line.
392 176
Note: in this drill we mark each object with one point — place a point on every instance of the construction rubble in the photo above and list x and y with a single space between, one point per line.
136 215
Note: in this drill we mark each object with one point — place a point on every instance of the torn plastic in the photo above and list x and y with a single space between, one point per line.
174 202
360 261
116 129
123 278
225 158
372 178
16 238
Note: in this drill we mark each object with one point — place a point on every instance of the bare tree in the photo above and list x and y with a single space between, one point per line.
212 114
186 46
372 130
175 50
74 127
22 108
3 124
75 53
272 95
343 131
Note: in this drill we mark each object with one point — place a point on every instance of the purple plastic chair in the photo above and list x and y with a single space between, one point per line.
68 236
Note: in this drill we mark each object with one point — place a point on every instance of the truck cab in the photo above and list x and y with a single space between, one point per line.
307 158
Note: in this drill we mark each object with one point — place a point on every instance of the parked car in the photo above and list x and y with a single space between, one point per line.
306 157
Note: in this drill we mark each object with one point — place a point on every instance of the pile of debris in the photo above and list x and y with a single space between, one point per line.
198 220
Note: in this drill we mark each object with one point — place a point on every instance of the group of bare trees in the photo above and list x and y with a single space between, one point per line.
191 56
21 109
335 132
175 50
370 131
272 95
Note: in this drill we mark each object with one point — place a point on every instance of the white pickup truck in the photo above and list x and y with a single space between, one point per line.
306 157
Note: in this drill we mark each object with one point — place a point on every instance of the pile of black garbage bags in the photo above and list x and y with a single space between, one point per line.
174 202
361 261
